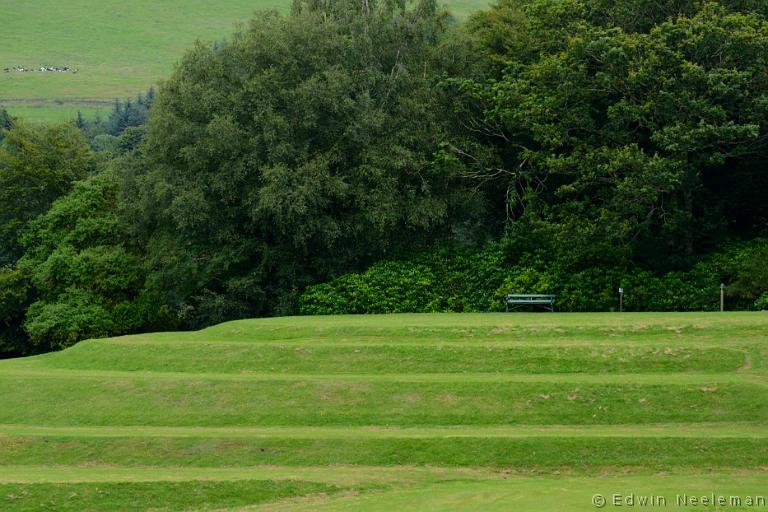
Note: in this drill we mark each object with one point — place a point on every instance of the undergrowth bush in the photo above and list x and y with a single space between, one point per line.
459 279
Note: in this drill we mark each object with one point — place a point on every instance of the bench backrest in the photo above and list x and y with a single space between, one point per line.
534 299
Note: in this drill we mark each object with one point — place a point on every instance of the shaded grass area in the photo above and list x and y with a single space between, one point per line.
588 455
132 496
190 402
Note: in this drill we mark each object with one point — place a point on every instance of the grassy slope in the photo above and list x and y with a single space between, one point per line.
119 48
45 112
412 412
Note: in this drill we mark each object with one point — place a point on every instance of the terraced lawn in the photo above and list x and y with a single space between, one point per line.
448 412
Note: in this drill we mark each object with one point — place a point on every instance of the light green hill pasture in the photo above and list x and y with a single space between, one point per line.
118 48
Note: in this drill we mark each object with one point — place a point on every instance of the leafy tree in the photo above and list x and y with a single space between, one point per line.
298 150
5 122
130 114
80 121
15 297
125 116
627 139
524 30
87 274
37 165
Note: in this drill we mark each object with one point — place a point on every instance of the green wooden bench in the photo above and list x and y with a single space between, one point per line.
516 300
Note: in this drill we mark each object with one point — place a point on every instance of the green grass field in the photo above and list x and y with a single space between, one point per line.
445 412
119 48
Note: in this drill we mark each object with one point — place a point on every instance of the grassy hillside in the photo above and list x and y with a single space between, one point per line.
412 412
118 48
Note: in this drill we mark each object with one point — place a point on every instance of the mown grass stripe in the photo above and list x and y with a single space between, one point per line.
190 402
685 430
521 341
337 474
416 359
497 377
592 455
155 496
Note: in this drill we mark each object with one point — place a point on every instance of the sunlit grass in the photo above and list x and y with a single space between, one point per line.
443 412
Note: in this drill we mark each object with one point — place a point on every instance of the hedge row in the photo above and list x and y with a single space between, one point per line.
459 279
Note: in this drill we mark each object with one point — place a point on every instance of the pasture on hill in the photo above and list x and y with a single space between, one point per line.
443 412
118 49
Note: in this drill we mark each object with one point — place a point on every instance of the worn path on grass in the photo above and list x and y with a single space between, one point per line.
340 474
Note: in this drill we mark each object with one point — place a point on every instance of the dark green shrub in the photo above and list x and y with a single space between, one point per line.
387 287
458 279
450 278
88 277
15 297
76 315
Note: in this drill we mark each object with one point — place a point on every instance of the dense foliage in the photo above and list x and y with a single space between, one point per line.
361 157
634 137
37 165
301 149
88 274
5 122
458 279
123 129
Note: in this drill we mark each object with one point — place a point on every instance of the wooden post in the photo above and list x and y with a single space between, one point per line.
722 297
621 300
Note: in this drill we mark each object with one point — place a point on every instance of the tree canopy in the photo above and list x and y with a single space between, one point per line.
301 148
632 139
37 165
